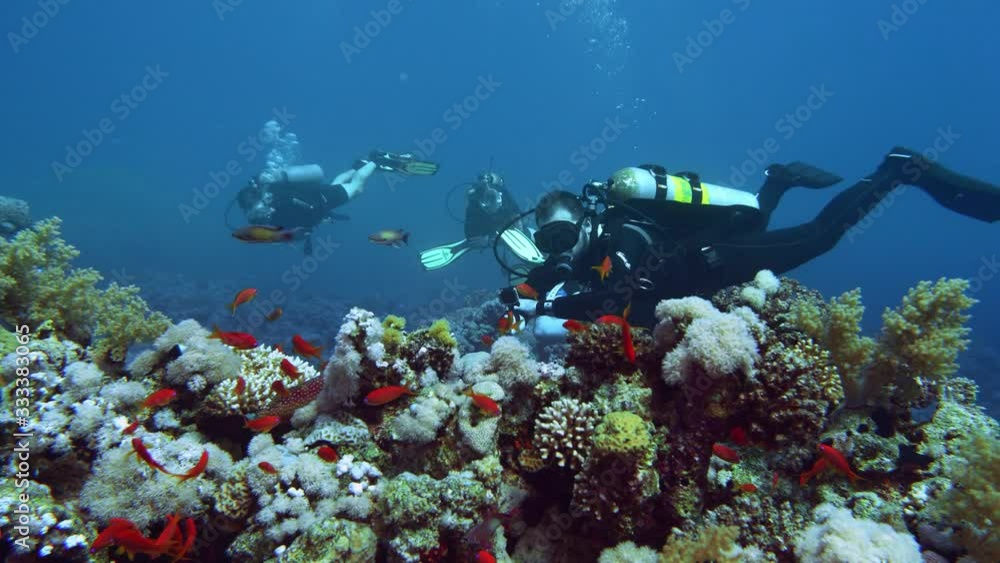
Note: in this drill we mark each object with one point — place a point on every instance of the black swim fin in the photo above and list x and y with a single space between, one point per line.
800 174
963 194
403 164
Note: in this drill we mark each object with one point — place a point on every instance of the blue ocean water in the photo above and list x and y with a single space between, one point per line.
704 86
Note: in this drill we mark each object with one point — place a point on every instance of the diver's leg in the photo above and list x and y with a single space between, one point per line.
344 177
962 194
782 177
356 184
737 260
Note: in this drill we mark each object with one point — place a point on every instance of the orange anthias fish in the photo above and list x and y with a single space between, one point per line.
144 455
487 340
289 369
838 462
267 467
241 386
627 344
388 394
238 340
197 470
484 402
604 268
817 467
304 348
275 314
265 234
263 423
573 325
747 488
485 557
327 453
127 536
508 324
725 454
244 296
526 291
132 427
159 398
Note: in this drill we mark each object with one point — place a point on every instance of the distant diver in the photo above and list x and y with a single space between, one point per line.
297 199
490 208
669 235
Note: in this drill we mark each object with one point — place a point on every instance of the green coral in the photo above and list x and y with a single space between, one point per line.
623 434
393 335
922 337
39 285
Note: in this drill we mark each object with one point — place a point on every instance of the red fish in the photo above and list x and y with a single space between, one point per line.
263 423
289 368
508 323
817 467
838 462
242 297
526 291
144 455
275 314
725 454
484 402
267 467
159 398
487 340
241 386
190 533
387 394
238 340
107 536
604 268
305 348
265 234
132 427
747 488
485 557
738 436
774 480
279 388
574 326
327 453
197 470
627 344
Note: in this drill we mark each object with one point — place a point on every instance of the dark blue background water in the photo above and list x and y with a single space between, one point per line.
559 82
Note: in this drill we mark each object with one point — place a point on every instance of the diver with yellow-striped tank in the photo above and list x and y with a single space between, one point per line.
663 235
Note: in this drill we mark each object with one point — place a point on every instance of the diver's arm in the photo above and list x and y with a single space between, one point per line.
550 328
588 306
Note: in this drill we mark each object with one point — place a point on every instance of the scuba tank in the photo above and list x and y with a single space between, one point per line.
679 203
652 182
301 174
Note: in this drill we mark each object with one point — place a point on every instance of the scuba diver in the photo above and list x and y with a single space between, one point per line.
296 199
663 236
489 208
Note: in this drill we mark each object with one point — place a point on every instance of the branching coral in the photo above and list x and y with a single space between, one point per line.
259 368
563 432
38 285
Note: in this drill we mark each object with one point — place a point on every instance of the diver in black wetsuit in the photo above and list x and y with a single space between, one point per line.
670 235
298 197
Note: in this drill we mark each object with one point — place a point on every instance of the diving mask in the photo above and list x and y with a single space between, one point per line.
557 237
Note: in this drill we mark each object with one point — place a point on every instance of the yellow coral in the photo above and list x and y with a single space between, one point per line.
928 330
392 335
625 434
440 332
837 326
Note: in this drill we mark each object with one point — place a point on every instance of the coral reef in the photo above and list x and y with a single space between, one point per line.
838 536
15 215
